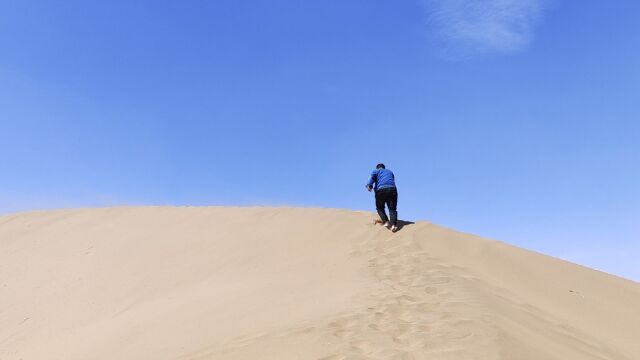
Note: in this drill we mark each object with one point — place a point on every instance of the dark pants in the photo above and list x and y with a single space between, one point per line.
387 196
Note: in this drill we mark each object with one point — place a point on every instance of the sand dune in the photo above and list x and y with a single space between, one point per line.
278 283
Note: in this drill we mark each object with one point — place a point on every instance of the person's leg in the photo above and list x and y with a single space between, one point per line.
380 200
392 203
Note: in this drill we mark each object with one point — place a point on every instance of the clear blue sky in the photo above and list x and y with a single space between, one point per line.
516 120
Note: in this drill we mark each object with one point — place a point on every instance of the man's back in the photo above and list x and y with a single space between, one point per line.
383 178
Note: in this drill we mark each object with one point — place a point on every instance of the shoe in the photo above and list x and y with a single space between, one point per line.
387 224
394 228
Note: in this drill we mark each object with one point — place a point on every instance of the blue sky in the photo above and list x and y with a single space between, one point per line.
516 120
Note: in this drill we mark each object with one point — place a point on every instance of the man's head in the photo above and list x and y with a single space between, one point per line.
380 166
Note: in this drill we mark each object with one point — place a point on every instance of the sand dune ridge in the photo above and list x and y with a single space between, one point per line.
285 283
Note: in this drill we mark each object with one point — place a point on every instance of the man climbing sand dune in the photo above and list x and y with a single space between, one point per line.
382 181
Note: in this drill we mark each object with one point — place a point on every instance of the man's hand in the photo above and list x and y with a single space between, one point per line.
369 187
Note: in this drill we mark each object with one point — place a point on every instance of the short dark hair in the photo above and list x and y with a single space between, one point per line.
380 166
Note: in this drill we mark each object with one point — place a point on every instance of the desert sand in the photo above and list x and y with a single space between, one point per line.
283 283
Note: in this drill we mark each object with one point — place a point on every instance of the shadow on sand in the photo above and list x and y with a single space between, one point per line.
402 224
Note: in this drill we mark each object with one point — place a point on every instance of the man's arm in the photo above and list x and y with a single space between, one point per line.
372 179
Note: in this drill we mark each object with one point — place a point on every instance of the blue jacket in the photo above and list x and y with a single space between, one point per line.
382 178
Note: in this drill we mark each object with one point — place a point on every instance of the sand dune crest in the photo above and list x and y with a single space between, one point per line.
279 283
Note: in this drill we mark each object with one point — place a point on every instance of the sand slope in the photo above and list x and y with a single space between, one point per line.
264 283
